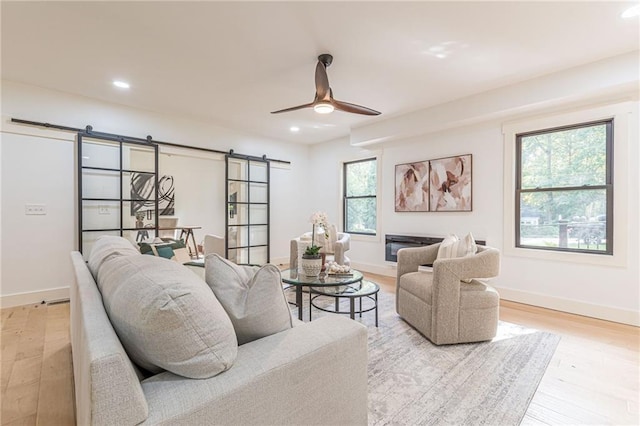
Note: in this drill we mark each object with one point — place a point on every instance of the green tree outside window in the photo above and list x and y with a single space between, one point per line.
360 202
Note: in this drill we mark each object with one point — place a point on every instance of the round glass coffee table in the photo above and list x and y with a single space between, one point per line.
300 280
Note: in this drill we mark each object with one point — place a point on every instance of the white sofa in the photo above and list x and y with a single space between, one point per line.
313 373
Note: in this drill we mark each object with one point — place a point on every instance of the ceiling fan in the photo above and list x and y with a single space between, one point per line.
323 103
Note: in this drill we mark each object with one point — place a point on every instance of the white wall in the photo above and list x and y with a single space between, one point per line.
483 142
314 183
38 167
35 249
609 292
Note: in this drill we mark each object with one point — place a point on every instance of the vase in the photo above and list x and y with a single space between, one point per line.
311 266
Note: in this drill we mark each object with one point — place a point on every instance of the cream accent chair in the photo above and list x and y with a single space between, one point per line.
167 222
213 244
335 253
439 304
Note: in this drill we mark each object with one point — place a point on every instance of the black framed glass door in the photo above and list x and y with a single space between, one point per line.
117 189
247 215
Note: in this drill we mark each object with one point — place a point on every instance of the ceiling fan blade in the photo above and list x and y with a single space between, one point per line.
293 108
356 109
322 81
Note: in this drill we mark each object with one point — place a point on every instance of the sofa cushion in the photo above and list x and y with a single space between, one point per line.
252 296
166 317
420 284
107 246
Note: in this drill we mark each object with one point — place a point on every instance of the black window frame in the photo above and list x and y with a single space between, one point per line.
345 198
608 186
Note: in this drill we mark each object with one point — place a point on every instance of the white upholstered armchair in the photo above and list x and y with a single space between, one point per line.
214 244
441 304
334 250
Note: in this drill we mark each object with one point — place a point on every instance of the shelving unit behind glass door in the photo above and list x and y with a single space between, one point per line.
247 216
116 179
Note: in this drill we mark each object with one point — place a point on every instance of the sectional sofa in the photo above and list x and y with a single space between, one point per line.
311 373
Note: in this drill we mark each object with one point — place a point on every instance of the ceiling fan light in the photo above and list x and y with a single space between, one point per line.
323 108
121 84
632 12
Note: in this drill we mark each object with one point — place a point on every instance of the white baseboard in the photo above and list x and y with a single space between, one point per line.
32 297
607 313
387 269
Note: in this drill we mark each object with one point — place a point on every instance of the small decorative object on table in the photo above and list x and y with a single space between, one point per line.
311 261
338 270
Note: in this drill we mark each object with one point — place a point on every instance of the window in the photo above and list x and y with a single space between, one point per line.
564 189
360 202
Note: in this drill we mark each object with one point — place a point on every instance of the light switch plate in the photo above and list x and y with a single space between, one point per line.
103 210
35 209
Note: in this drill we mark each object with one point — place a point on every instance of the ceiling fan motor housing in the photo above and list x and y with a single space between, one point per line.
326 59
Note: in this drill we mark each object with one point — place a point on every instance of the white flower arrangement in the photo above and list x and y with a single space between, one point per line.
318 219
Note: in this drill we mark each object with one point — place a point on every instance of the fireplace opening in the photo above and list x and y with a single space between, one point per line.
393 243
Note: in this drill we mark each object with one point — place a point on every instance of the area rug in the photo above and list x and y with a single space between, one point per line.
414 382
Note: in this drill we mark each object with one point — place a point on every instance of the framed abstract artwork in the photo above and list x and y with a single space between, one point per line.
412 187
142 194
450 184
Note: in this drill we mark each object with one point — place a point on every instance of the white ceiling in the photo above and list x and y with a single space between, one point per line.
232 63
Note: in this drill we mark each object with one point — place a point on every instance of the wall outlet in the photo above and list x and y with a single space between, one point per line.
103 210
38 209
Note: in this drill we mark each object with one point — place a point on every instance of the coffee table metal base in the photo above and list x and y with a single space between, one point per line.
291 276
366 289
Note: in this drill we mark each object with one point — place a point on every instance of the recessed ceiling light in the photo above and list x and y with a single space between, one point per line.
294 129
633 11
121 84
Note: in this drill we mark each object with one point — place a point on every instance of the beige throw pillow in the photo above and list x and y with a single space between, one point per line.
107 246
166 317
452 247
252 296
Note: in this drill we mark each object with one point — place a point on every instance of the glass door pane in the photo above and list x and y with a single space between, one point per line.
100 184
100 153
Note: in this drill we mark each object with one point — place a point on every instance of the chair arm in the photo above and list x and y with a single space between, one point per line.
484 264
409 259
447 274
340 247
445 308
293 253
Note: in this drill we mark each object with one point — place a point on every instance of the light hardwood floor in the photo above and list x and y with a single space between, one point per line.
593 377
